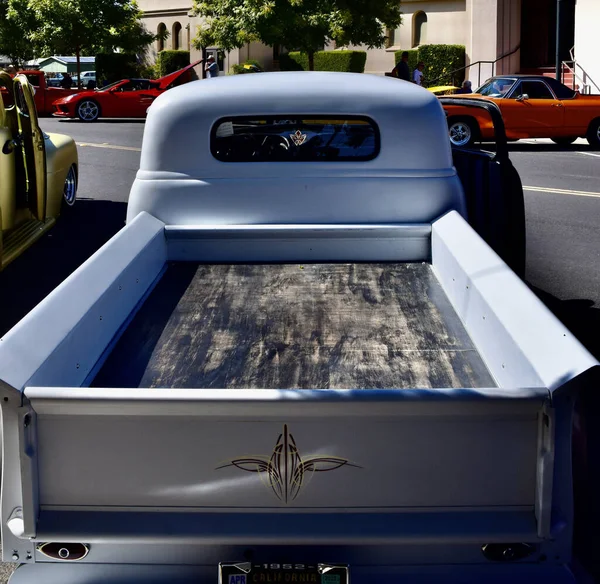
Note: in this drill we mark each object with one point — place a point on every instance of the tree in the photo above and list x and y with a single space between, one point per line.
304 25
13 41
81 26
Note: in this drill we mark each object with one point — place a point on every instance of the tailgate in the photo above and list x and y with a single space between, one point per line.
202 476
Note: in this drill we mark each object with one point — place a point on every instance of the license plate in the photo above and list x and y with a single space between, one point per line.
250 573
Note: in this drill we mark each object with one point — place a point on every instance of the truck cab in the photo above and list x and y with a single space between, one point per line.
305 358
44 94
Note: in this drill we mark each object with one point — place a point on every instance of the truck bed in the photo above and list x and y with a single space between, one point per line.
292 326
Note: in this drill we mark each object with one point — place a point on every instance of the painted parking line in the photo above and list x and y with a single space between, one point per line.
109 146
590 154
562 192
577 142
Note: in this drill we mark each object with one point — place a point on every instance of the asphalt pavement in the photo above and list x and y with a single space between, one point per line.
562 198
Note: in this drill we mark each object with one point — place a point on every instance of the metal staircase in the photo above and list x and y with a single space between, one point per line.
576 76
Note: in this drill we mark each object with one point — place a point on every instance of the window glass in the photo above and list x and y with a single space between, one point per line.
34 80
21 101
111 85
561 91
294 138
534 89
136 85
420 33
496 87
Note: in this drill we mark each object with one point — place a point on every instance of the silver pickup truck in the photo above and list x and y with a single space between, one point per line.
307 357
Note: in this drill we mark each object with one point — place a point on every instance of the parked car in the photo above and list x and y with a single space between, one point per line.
87 77
38 170
44 94
127 98
443 89
54 81
533 106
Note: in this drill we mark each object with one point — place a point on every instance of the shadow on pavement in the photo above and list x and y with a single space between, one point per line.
103 121
74 238
579 316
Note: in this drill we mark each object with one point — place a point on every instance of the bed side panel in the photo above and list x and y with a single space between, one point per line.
60 341
521 341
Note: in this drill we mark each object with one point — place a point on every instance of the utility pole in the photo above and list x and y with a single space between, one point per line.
558 47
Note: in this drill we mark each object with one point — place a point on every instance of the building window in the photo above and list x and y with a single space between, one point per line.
390 38
161 31
419 29
177 36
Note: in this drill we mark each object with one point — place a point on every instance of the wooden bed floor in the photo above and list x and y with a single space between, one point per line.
314 326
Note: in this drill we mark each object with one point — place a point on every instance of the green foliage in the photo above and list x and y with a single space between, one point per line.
346 61
79 27
171 61
349 61
241 70
149 71
413 58
305 25
111 67
440 61
13 41
294 61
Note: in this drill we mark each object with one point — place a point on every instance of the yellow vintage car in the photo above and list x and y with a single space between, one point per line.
38 171
443 89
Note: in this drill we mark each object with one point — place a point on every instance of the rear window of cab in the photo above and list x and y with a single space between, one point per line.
294 139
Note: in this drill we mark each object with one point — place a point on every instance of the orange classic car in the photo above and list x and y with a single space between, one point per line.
532 106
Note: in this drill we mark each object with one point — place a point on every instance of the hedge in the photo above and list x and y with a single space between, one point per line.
440 61
111 67
345 61
149 71
413 58
171 61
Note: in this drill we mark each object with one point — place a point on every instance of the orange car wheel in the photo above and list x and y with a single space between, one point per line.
593 134
463 132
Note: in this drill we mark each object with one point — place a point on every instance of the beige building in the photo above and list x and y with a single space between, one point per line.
587 55
500 36
174 16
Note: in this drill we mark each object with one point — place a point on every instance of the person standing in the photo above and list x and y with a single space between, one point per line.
418 73
211 68
66 82
401 70
465 88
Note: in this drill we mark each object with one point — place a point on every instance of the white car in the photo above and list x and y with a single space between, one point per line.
85 77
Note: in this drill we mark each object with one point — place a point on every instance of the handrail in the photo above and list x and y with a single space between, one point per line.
452 73
586 81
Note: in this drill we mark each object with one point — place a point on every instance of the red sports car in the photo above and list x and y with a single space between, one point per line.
128 98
